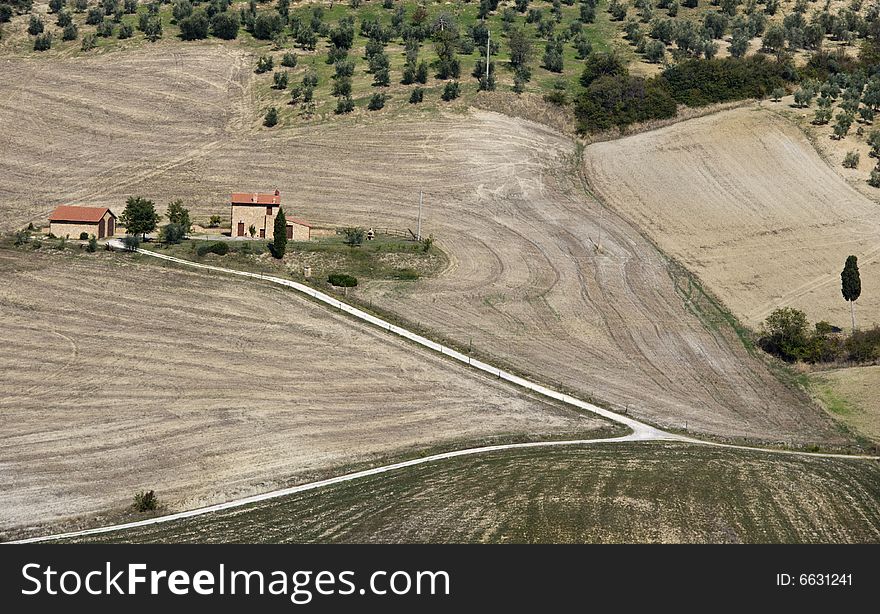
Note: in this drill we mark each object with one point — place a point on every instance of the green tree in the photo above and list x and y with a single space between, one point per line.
520 45
225 25
271 117
178 214
851 285
785 333
139 216
279 242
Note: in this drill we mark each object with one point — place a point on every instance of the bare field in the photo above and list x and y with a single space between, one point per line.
84 131
851 394
208 388
607 493
743 200
524 285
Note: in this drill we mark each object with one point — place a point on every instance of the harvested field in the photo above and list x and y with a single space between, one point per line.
607 493
743 200
853 396
208 388
525 285
83 131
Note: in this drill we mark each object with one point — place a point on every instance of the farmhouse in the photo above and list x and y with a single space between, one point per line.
70 221
259 211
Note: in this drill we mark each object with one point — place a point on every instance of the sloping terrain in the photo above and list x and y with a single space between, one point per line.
607 493
525 285
853 396
120 375
743 200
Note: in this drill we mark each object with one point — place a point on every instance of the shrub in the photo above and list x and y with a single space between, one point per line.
265 63
94 16
225 25
271 117
377 101
280 80
195 27
621 100
701 82
83 236
450 91
785 334
131 242
172 233
406 274
267 25
92 247
417 95
35 25
219 247
289 60
88 42
353 236
214 221
344 105
125 31
145 501
342 280
43 42
851 160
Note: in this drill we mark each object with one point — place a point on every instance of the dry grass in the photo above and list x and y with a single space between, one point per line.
120 375
742 199
851 395
525 284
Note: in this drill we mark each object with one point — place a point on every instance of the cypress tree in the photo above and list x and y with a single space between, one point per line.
851 285
279 244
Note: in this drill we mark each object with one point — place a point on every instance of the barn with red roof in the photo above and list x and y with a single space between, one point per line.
71 222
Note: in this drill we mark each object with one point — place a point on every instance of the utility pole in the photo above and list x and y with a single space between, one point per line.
488 34
419 227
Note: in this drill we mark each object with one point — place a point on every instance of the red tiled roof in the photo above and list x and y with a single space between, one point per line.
71 213
247 198
293 220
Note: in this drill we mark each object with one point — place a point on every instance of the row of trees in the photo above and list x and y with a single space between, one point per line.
141 218
786 333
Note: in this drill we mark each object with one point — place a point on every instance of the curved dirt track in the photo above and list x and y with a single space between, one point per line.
211 389
525 284
640 432
742 198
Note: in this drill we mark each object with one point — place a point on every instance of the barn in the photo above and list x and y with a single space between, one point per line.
258 210
70 221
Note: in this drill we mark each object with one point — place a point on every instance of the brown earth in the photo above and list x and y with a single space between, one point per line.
209 388
525 284
743 200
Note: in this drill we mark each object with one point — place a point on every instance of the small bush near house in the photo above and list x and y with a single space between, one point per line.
220 248
214 221
342 280
92 247
83 236
131 242
145 501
